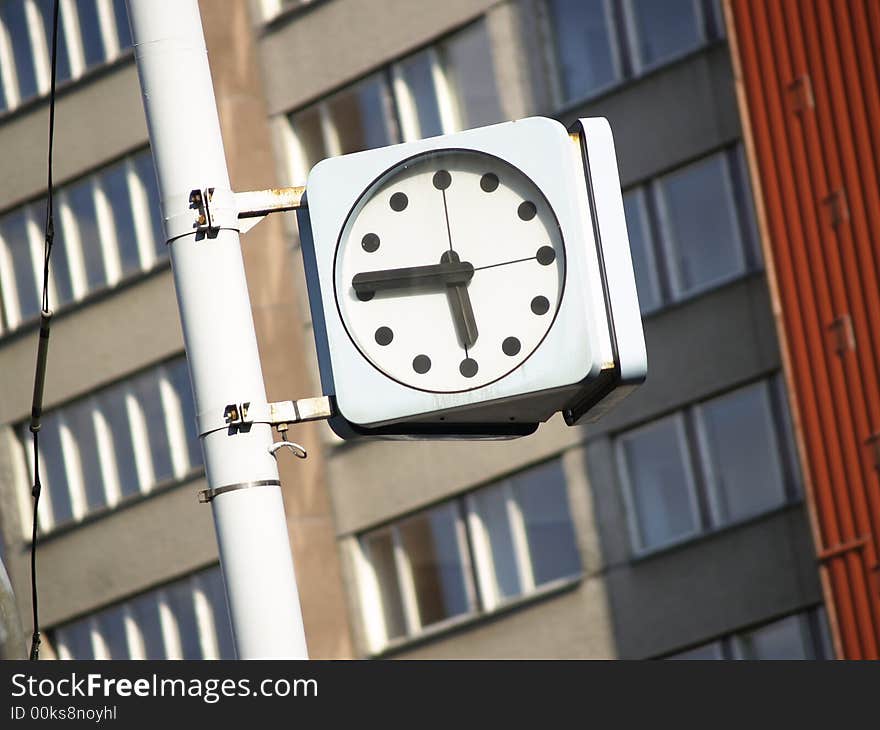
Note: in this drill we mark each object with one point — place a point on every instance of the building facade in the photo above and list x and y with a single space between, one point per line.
673 527
127 558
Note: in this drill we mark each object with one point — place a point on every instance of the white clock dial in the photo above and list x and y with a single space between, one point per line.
449 271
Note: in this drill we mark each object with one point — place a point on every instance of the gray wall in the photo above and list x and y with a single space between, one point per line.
96 121
307 54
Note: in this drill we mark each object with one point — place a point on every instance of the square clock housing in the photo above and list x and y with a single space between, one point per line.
474 284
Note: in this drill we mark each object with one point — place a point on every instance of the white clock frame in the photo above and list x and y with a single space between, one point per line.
596 343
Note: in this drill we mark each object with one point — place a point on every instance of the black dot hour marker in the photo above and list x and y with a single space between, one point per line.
546 255
468 367
384 335
365 296
540 305
511 346
489 182
527 210
421 364
442 179
399 201
370 242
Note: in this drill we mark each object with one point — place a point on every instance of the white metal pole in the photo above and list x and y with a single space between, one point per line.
218 330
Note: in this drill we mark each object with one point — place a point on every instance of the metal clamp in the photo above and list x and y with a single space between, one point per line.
203 210
245 413
255 205
208 495
298 451
211 209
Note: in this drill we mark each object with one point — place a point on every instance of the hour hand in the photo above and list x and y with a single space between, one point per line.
449 273
462 314
460 304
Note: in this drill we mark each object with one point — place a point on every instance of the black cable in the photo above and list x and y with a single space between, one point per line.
43 347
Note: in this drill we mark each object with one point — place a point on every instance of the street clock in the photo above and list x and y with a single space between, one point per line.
474 284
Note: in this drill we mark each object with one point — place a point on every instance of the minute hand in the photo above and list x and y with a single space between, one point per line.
413 277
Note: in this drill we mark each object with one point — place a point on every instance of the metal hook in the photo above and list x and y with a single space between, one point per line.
297 450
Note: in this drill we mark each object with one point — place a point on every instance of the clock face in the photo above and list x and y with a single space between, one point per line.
449 271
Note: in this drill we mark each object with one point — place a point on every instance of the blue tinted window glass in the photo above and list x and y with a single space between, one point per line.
416 73
582 31
146 390
543 502
90 31
82 426
785 639
642 251
306 125
379 547
15 20
744 453
52 470
212 582
14 232
60 265
178 376
111 625
77 639
145 611
81 199
113 408
62 69
664 29
467 61
114 182
431 546
180 600
146 172
659 481
122 28
491 506
701 225
360 115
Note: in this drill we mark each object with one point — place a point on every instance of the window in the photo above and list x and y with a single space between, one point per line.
108 227
700 225
662 491
469 555
415 88
442 89
597 44
187 619
119 442
642 248
785 639
90 33
717 463
360 117
419 570
660 31
584 38
691 229
19 265
466 59
798 636
742 449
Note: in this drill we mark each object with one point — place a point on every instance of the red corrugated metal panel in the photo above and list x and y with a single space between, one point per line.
808 84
